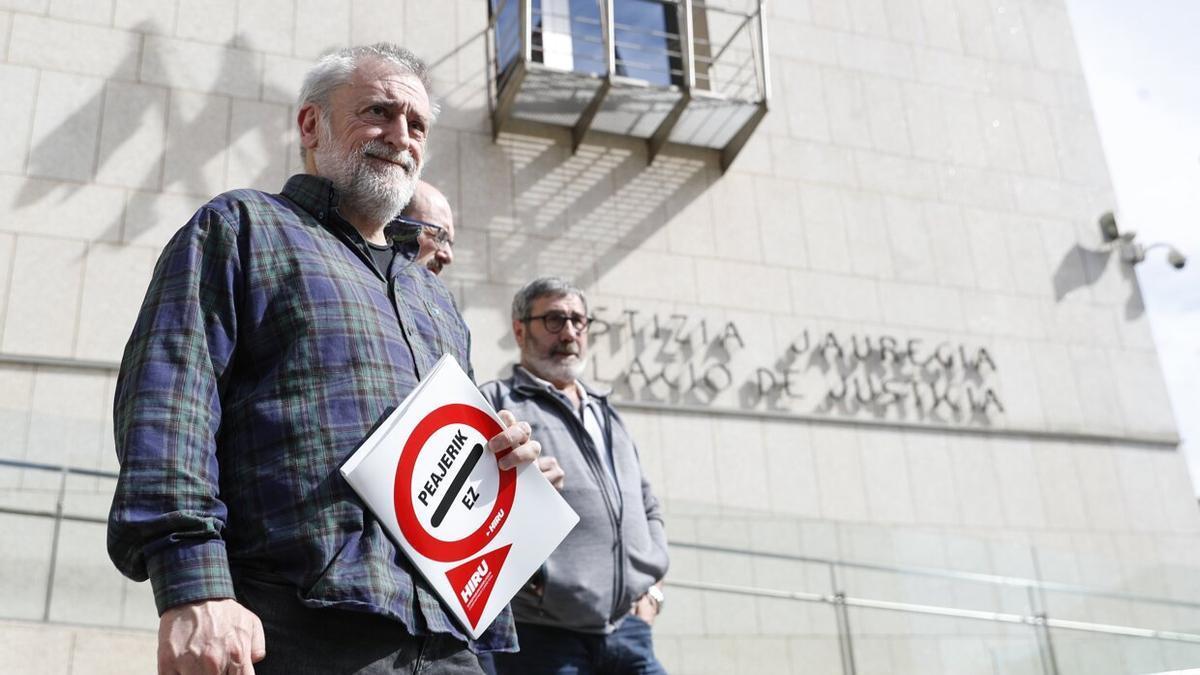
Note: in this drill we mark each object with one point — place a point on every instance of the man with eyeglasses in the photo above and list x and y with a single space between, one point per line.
428 212
590 607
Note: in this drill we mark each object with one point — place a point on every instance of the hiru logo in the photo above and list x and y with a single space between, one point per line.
474 582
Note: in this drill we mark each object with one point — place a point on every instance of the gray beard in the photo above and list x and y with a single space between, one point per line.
554 371
376 195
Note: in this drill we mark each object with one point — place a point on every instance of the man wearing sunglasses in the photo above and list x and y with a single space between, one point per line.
428 212
590 607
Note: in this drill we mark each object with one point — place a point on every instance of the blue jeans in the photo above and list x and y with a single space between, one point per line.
557 651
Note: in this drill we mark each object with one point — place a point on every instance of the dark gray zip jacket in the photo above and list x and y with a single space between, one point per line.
619 547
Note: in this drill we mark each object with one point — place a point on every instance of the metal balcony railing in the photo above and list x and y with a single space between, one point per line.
687 72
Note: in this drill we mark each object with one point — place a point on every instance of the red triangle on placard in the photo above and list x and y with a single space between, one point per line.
474 580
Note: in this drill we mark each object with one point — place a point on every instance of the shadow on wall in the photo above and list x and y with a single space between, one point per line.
189 153
170 146
461 94
579 215
1082 267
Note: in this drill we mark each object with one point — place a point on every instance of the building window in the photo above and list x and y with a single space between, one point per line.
568 36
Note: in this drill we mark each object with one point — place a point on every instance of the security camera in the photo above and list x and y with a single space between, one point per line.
1133 252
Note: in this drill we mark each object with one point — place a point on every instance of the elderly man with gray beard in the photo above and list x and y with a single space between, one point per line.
590 607
276 330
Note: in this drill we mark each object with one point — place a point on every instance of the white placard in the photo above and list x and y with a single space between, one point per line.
475 532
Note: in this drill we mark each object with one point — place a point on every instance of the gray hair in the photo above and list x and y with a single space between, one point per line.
539 288
337 68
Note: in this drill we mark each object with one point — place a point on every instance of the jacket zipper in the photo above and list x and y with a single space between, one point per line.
614 518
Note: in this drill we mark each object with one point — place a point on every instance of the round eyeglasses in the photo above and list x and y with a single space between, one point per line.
556 321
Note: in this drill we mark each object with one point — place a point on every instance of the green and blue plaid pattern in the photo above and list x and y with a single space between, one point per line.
266 348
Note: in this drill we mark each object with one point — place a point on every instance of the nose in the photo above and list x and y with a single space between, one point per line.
444 254
396 134
569 332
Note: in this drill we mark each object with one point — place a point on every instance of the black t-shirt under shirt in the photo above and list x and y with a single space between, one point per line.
381 255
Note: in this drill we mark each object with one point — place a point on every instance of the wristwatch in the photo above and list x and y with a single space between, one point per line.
657 596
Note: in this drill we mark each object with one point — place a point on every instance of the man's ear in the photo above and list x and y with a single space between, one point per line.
309 119
519 332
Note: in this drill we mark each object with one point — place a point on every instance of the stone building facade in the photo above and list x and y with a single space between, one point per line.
889 333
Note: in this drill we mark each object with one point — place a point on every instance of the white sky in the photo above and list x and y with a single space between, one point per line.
1142 62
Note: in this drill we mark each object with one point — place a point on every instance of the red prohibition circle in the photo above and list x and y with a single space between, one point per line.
425 543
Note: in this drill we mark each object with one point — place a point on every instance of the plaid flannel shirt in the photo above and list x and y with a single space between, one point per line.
266 348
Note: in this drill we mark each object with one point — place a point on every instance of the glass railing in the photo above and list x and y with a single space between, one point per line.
54 566
730 609
856 617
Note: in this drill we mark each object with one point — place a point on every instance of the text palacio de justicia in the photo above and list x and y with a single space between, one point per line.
682 359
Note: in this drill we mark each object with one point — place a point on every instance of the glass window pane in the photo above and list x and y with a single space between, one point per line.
647 34
567 35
